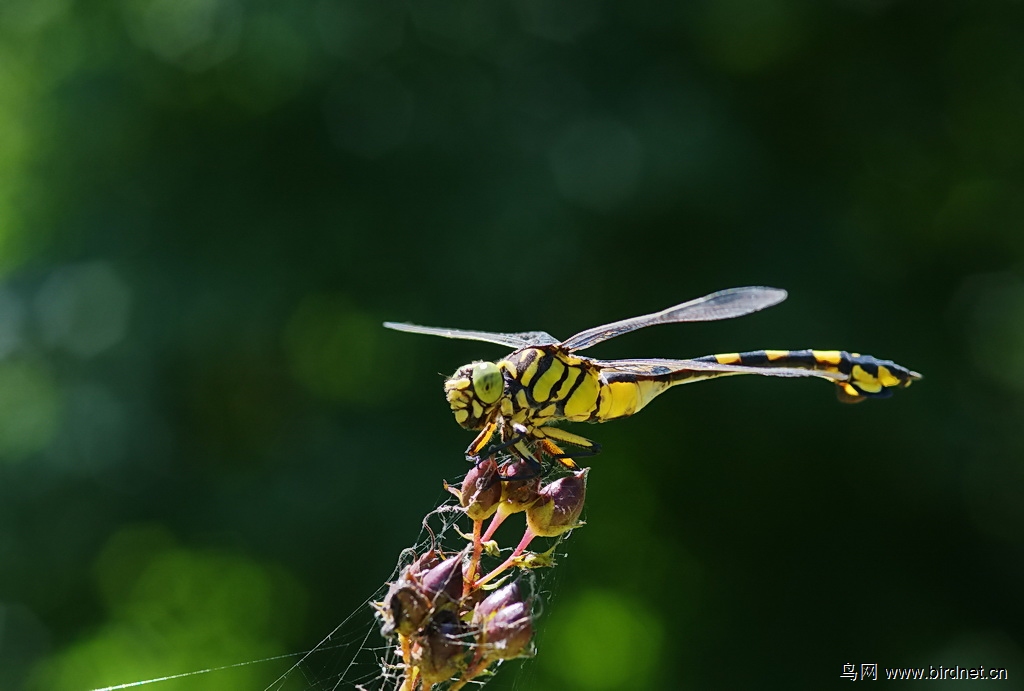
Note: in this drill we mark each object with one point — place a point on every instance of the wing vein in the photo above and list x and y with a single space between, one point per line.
725 304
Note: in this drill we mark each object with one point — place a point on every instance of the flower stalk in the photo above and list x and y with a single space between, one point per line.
453 625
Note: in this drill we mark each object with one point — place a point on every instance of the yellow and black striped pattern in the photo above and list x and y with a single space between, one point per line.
863 376
543 381
544 385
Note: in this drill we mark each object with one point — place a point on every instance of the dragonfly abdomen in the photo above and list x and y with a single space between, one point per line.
820 360
859 376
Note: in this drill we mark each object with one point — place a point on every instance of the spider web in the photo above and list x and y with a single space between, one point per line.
355 656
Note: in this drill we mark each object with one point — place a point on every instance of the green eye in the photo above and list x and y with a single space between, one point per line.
487 382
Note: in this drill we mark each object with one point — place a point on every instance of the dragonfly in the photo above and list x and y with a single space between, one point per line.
544 381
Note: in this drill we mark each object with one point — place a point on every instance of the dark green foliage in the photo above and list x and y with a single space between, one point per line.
212 452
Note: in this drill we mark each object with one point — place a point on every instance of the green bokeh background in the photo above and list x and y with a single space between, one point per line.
211 452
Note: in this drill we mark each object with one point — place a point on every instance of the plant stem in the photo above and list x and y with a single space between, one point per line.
470 674
474 561
520 548
496 520
409 681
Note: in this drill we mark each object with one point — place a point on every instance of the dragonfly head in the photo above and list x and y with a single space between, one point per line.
473 393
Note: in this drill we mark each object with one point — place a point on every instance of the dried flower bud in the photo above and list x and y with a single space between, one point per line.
559 506
440 652
517 495
481 490
504 622
444 580
424 562
404 610
496 599
423 586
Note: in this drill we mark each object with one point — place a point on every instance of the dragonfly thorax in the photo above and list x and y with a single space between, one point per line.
473 393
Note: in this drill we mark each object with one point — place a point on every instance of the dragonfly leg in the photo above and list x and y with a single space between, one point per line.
491 450
481 439
523 452
587 447
552 449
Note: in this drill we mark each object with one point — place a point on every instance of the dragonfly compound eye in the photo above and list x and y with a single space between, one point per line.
487 382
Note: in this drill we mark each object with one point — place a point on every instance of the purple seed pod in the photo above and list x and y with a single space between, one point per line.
504 624
559 506
496 599
417 593
517 495
481 490
440 652
424 562
445 579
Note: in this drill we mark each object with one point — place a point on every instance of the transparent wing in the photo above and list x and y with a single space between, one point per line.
656 367
725 304
516 340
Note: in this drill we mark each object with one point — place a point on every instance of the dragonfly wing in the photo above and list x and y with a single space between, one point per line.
534 338
725 304
656 367
512 340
